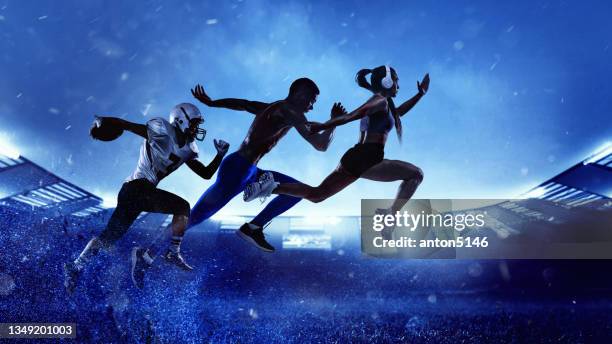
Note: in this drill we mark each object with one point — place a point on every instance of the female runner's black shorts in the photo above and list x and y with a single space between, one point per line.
361 157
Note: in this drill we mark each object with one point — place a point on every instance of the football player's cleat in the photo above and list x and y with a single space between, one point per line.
71 276
177 259
139 267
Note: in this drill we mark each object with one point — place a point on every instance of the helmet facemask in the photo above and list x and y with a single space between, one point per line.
193 130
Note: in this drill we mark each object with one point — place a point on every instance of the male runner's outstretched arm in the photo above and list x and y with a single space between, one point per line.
375 103
320 141
207 172
251 106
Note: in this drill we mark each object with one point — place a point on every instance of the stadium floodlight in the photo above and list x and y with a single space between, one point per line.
7 149
108 201
333 220
229 219
535 193
321 220
600 153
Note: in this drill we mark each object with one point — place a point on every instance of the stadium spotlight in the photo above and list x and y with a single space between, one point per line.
535 193
333 220
321 220
7 149
108 201
229 219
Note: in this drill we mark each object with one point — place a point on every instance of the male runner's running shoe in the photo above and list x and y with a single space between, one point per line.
261 189
255 237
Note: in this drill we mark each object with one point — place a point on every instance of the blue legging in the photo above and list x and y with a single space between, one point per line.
234 174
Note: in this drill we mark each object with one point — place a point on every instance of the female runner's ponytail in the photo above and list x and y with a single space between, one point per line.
361 79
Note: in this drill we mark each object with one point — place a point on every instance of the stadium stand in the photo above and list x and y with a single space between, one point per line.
318 287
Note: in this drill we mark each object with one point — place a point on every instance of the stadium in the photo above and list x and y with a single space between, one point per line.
318 287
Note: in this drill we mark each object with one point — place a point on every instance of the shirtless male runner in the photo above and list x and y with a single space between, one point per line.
272 121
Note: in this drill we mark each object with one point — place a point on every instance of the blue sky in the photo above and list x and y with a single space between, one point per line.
519 90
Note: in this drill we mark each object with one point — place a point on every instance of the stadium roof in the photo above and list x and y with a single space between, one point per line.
585 182
27 186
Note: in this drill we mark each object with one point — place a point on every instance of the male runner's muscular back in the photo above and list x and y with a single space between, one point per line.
267 129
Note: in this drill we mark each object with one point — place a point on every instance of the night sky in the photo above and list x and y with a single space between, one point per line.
519 90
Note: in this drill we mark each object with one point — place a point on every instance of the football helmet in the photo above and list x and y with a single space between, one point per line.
187 118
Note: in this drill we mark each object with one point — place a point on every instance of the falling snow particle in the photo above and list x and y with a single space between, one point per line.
504 271
68 127
253 313
54 110
88 99
562 100
145 112
458 45
1 18
212 21
7 284
524 171
432 298
19 95
475 270
414 324
509 29
124 76
43 17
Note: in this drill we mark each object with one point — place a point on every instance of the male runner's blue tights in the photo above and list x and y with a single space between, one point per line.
234 174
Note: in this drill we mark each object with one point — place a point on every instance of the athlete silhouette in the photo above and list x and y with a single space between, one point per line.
271 123
366 159
166 146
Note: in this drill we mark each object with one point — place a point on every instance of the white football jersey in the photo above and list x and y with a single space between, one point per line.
160 154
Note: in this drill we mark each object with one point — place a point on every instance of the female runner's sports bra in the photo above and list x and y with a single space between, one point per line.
379 122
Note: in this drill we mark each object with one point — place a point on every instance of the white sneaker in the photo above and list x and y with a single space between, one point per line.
261 189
